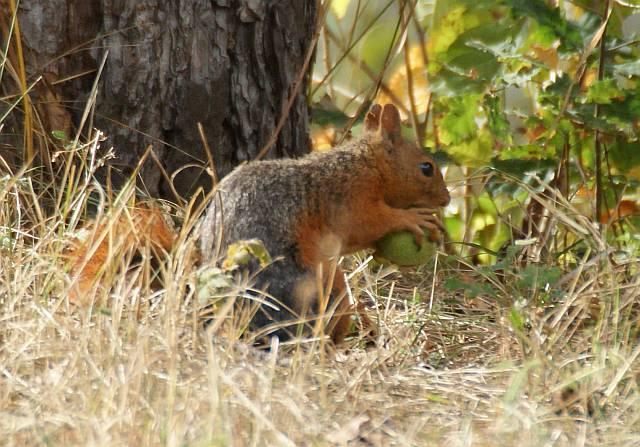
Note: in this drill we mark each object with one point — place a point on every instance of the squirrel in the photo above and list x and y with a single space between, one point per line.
309 211
132 229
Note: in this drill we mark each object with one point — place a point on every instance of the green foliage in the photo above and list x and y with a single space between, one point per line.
497 119
534 277
471 288
59 134
214 283
458 123
515 86
627 69
603 92
550 21
625 155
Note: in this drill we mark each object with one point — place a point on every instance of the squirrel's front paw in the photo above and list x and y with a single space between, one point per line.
419 218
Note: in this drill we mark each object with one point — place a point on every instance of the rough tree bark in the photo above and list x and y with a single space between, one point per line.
228 64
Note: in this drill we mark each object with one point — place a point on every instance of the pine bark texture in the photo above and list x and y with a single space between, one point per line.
228 64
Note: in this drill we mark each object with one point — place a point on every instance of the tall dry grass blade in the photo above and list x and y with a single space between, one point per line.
29 153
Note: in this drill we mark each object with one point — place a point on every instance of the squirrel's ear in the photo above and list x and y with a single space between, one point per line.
390 122
372 120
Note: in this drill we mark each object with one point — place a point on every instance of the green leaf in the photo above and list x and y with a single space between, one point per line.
522 169
474 152
446 29
540 35
59 135
584 115
211 282
452 83
472 63
464 39
538 276
455 227
603 92
459 122
508 258
472 288
325 113
627 69
517 320
550 20
526 152
624 155
498 123
487 205
519 167
554 93
242 252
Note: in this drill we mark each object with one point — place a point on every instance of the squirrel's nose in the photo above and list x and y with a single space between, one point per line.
446 198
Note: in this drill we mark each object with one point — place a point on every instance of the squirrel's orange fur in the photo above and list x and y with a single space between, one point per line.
131 229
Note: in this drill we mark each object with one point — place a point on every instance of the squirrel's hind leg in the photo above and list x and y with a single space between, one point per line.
294 293
281 314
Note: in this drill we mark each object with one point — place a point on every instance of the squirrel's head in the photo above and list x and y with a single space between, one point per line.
411 177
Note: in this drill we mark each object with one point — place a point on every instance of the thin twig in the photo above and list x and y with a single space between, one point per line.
597 142
207 149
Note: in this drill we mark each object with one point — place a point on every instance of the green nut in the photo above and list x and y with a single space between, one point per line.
401 249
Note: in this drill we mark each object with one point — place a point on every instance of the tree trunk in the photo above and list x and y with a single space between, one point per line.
228 64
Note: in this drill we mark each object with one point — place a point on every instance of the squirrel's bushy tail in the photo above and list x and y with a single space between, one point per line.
106 239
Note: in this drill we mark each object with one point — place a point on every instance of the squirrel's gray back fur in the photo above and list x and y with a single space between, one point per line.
266 199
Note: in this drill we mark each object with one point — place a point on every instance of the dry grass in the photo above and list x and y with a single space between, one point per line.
136 368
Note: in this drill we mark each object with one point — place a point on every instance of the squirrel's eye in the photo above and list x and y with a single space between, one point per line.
427 169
